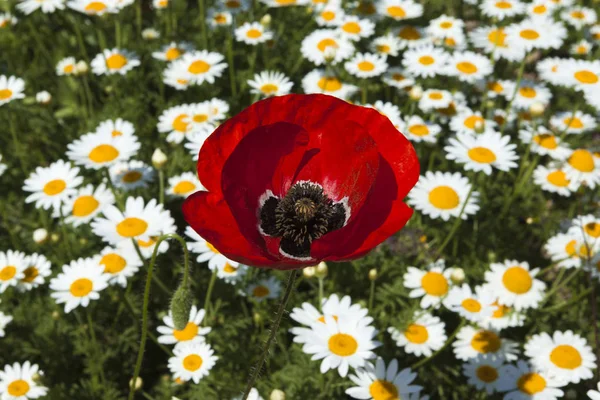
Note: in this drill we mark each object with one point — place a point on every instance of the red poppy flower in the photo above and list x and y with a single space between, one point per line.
298 179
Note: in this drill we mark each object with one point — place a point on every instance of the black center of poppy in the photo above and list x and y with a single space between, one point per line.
302 216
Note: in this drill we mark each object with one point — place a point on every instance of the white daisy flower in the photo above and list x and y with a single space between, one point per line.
482 152
566 249
115 128
431 284
17 382
172 51
594 394
7 20
236 6
471 122
177 76
472 342
418 130
391 111
500 9
12 269
502 318
115 61
398 78
217 18
37 268
165 225
332 306
131 175
330 15
205 250
554 180
263 289
137 221
324 44
573 123
94 7
435 99
579 17
176 122
201 66
201 118
582 75
66 66
340 344
353 28
103 148
51 186
378 382
443 195
551 70
195 140
11 88
484 372
47 6
411 36
588 227
270 83
523 382
422 336
192 361
581 48
119 263
536 33
543 142
4 321
366 65
473 306
218 109
231 272
388 45
445 26
425 61
492 40
399 10
3 166
192 333
540 8
468 66
252 33
183 185
514 284
527 94
319 81
78 283
582 167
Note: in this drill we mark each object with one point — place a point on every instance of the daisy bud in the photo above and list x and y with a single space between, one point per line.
81 68
55 315
150 34
277 395
479 126
181 305
321 270
83 241
537 109
55 237
159 159
36 378
529 220
40 235
43 97
309 272
138 383
373 274
490 104
257 318
457 275
416 92
265 20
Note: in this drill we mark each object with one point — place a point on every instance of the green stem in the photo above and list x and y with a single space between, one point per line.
156 280
364 93
558 286
140 356
320 293
450 339
63 230
272 334
17 143
202 23
514 95
118 33
230 59
371 294
97 349
211 285
80 42
569 302
138 17
161 186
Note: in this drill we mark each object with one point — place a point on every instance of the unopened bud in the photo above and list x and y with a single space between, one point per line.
309 272
181 305
479 126
537 109
43 97
457 275
40 235
55 315
83 241
321 270
529 220
81 68
257 317
159 159
55 237
416 92
277 395
265 20
137 385
372 274
37 377
150 33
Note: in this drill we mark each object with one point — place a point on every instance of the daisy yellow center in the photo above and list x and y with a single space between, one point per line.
54 187
199 118
212 248
68 68
325 43
198 67
131 227
329 84
486 342
471 305
233 4
482 155
409 33
419 130
116 61
570 248
434 284
527 92
269 88
503 5
501 311
472 120
95 7
192 363
184 187
466 67
172 54
416 334
398 77
116 133
351 27
84 206
113 263
146 243
220 19
328 15
8 272
383 390
487 373
587 77
18 388
188 333
436 96
426 60
546 141
541 9
322 318
103 153
577 15
285 2
254 33
517 280
366 66
497 37
444 198
260 291
558 178
531 383
179 123
342 345
581 49
396 11
81 287
366 8
582 160
450 42
163 3
383 48
566 356
230 269
131 177
446 25
592 229
5 94
30 274
529 34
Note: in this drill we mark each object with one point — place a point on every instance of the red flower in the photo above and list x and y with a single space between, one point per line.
298 179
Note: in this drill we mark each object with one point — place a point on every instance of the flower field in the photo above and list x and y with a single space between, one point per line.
299 199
